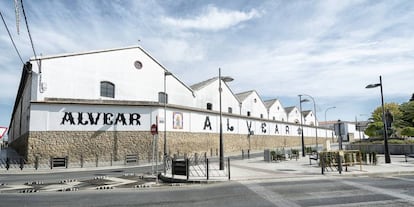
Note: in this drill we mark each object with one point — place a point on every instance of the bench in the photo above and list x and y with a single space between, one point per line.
408 156
294 155
131 159
313 157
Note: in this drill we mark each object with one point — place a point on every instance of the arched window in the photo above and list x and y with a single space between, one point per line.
107 89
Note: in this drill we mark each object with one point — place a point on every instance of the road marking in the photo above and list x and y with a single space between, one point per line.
270 196
379 190
403 179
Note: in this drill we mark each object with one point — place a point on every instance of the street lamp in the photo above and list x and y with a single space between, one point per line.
166 73
316 125
301 123
386 151
326 131
225 79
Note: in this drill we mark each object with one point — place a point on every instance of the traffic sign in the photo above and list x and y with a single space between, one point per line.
2 131
154 129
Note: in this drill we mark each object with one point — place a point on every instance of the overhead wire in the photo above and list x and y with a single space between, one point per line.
30 36
11 38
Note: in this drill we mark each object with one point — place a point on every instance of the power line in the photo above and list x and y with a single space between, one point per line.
30 36
11 38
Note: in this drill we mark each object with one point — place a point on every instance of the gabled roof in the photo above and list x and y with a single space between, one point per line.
111 50
202 84
306 113
269 103
243 95
289 109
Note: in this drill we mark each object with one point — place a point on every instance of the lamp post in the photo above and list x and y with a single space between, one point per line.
316 125
301 123
332 107
386 151
225 79
166 73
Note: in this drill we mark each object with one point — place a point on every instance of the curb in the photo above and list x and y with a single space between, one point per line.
177 180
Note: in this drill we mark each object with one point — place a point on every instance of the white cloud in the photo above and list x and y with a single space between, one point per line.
212 19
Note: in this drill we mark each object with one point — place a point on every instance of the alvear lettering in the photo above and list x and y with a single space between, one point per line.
91 118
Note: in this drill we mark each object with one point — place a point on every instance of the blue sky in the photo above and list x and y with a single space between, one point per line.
328 49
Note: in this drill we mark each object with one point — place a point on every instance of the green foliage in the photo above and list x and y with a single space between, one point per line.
408 131
396 141
407 118
403 124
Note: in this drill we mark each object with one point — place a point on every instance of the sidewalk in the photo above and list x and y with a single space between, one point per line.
257 169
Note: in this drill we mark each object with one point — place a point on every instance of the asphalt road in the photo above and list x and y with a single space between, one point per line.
78 175
328 191
84 175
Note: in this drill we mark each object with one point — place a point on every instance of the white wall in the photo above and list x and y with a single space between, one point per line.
294 115
309 119
277 111
255 105
79 77
54 117
210 94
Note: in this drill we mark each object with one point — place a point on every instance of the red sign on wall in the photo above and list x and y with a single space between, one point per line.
154 129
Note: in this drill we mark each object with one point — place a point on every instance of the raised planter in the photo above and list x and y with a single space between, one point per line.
394 149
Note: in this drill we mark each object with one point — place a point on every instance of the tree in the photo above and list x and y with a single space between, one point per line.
407 119
376 128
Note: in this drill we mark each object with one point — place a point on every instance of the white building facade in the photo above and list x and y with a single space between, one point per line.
102 102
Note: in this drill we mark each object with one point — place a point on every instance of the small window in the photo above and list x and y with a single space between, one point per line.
138 65
230 110
107 89
255 100
248 113
261 116
274 118
209 106
163 97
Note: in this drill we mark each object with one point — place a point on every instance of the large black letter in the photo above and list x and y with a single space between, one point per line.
107 118
80 119
264 128
229 128
276 129
92 120
134 117
287 129
67 117
120 118
249 126
207 123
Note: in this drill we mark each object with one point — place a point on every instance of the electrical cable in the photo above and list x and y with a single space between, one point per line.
30 36
11 38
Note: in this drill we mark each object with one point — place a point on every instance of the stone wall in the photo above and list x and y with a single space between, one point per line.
115 145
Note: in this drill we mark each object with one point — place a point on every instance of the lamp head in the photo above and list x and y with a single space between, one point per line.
304 100
227 79
373 85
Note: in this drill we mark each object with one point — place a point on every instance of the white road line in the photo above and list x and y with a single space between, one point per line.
380 190
403 179
270 196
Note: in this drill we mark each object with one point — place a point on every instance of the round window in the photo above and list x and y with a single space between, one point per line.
138 65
